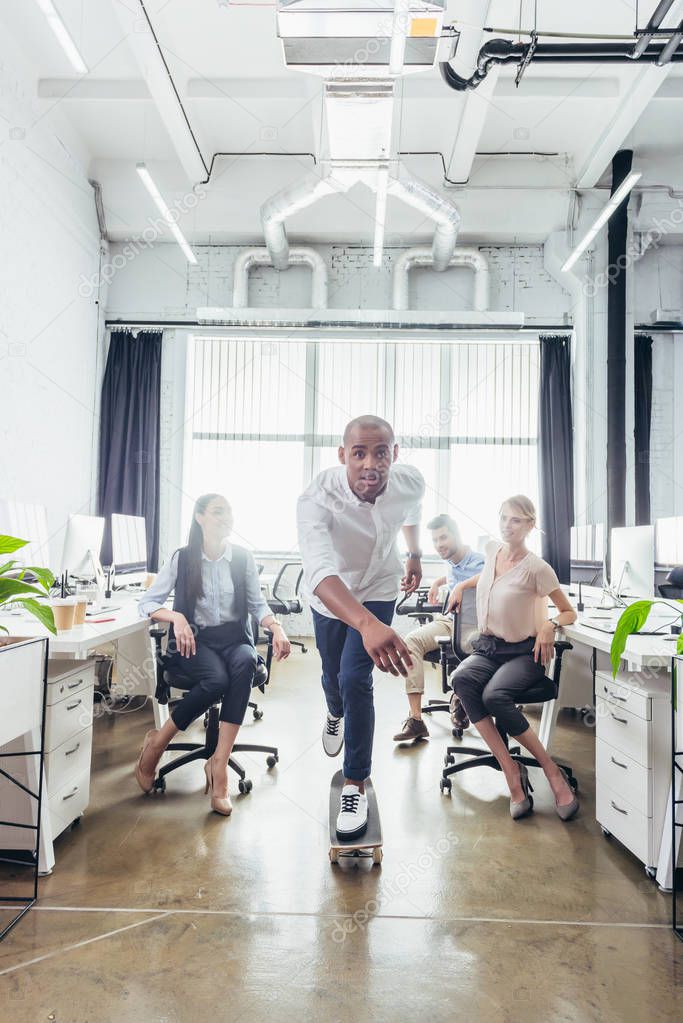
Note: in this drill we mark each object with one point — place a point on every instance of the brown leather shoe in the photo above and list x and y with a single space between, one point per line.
412 729
459 716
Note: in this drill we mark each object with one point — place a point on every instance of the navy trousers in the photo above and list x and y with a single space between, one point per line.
347 684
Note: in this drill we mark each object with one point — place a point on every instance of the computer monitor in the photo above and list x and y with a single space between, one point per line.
82 546
632 560
27 522
129 547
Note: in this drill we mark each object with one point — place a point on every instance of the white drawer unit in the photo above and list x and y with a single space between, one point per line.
633 760
68 739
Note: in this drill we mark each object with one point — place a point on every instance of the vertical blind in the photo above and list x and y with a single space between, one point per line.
265 416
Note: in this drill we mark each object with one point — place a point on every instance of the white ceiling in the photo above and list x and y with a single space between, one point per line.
226 62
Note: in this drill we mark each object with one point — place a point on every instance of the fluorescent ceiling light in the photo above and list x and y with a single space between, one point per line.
615 201
380 215
61 31
148 182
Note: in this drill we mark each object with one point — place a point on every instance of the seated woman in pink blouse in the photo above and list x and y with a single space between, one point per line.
512 651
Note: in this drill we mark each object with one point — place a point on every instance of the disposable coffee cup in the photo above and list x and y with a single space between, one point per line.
64 610
80 608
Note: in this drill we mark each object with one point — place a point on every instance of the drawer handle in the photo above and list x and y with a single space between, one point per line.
615 807
625 766
67 753
624 699
75 790
623 721
75 685
72 706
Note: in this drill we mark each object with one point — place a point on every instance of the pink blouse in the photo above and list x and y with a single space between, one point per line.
513 605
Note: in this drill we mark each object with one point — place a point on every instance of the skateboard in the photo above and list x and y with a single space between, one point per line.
365 846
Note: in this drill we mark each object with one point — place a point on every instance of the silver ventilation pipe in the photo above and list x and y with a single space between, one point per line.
285 203
423 256
299 256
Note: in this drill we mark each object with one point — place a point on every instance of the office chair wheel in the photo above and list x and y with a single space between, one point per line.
448 760
160 785
245 786
445 785
607 834
651 873
258 714
457 733
75 823
272 759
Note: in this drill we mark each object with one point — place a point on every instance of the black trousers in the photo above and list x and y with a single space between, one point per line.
492 682
220 670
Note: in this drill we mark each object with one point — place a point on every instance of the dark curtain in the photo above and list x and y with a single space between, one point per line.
129 435
642 373
555 453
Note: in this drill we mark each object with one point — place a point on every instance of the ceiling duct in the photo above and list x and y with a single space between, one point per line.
361 50
300 256
422 257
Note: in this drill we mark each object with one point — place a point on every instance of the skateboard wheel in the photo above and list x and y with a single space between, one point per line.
376 855
334 856
272 760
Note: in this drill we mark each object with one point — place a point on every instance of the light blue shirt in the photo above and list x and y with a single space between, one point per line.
471 564
218 603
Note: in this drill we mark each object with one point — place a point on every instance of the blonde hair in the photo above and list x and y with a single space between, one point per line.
523 505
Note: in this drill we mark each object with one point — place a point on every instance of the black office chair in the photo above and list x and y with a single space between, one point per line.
445 657
167 679
284 599
542 692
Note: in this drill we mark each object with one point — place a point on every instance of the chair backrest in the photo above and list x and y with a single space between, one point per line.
465 625
286 587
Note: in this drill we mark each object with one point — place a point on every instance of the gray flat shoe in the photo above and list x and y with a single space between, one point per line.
565 813
523 808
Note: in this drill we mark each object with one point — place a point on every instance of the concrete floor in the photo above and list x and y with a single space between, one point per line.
160 912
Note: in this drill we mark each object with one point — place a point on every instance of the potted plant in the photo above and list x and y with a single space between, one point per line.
633 619
14 589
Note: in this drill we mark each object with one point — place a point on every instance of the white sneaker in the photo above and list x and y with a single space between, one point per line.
333 735
353 815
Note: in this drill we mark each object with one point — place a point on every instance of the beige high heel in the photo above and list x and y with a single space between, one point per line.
145 781
219 804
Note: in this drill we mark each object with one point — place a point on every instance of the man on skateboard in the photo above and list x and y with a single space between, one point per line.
348 520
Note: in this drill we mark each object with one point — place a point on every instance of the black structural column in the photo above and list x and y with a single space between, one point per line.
616 347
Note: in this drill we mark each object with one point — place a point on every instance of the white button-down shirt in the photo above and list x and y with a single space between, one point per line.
218 603
341 535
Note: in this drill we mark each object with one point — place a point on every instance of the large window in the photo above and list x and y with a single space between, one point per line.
265 416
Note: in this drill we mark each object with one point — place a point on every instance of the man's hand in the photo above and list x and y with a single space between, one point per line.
387 649
433 595
455 599
411 580
184 636
281 645
544 647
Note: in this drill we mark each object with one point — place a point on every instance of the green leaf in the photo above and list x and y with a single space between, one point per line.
11 588
8 567
633 619
43 612
10 544
679 644
43 575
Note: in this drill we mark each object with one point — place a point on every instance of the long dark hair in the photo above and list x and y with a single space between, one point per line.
195 588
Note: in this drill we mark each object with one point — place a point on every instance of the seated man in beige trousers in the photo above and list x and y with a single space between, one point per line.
460 563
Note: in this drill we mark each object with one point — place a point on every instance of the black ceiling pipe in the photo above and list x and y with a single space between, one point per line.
617 231
504 51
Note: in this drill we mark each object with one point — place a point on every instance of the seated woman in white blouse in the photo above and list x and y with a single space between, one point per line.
216 589
514 646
